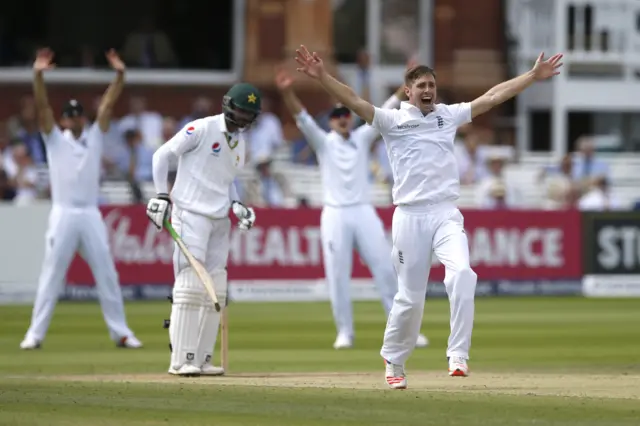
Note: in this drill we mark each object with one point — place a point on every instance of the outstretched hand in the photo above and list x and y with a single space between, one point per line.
114 60
283 79
44 60
544 69
309 63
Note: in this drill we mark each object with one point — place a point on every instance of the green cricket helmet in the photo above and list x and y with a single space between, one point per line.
242 105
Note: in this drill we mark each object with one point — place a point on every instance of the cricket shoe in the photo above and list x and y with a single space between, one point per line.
343 341
129 342
186 371
211 370
422 341
30 343
394 375
458 367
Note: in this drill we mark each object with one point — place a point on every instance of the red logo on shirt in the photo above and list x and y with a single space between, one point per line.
190 130
216 147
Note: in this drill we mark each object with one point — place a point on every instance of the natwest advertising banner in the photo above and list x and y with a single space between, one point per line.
281 257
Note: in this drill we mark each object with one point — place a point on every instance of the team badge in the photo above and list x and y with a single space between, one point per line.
190 130
215 148
232 143
252 98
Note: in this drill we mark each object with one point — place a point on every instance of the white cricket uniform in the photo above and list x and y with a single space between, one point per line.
426 219
209 158
76 225
348 219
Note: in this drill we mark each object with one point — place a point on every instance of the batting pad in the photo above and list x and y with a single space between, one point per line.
188 298
210 319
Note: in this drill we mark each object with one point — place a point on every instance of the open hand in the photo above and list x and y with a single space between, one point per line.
114 60
544 69
310 64
44 58
283 79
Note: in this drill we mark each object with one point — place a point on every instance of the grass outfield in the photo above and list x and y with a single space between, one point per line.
535 361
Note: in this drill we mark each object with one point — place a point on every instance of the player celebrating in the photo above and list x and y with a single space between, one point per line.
419 140
210 152
348 218
75 223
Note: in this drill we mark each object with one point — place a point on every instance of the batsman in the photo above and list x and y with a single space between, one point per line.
209 153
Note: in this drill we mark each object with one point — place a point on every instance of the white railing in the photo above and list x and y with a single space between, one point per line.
588 31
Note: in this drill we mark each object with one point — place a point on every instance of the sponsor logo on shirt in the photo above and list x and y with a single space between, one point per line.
190 130
215 148
407 126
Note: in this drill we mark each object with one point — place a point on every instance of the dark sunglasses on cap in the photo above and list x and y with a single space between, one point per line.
340 111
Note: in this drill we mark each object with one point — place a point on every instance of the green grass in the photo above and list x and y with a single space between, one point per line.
513 337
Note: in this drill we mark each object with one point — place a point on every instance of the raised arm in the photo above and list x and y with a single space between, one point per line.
313 66
44 111
370 134
542 70
113 92
312 132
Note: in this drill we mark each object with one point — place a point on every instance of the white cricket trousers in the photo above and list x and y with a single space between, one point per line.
82 230
342 229
416 233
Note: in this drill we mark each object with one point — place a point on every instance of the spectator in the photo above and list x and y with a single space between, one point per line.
269 189
586 167
148 47
265 136
149 123
6 159
25 128
7 192
493 191
559 185
599 197
24 176
471 162
136 163
202 107
169 128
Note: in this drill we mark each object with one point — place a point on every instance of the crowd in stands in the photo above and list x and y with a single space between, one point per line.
579 180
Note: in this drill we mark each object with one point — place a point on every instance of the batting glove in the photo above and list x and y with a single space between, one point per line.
159 209
246 216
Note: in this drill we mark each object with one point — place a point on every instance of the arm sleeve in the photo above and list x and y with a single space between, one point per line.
233 193
311 131
53 136
369 134
162 158
185 140
461 113
383 119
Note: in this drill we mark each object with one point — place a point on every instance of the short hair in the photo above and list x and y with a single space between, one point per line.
416 72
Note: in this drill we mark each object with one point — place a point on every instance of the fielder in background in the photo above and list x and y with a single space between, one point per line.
75 222
348 218
209 153
419 140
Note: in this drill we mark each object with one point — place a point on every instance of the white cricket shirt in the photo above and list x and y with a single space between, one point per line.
344 163
209 159
74 166
421 151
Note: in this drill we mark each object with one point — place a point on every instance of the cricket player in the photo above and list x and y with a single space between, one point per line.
348 218
419 141
75 222
209 153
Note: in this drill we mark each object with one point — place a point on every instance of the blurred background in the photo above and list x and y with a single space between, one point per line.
561 153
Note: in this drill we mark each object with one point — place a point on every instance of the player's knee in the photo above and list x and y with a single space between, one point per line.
187 289
408 301
464 283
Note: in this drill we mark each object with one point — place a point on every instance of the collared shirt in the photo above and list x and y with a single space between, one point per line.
421 151
74 166
209 159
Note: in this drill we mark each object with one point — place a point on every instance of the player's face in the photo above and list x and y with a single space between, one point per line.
422 93
75 124
342 123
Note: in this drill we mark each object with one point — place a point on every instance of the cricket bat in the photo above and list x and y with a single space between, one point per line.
198 267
